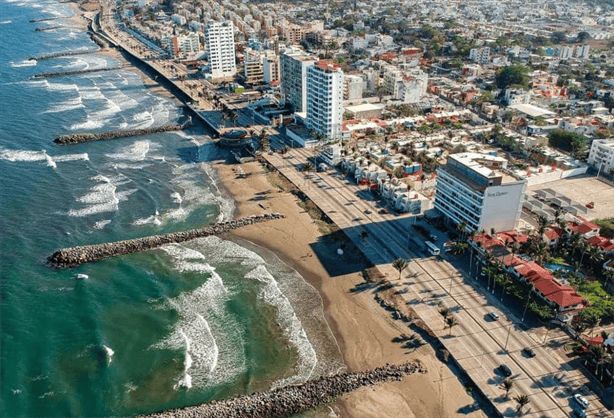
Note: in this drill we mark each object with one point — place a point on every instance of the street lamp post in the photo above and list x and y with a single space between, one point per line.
509 331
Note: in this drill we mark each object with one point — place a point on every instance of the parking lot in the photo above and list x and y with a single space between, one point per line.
584 189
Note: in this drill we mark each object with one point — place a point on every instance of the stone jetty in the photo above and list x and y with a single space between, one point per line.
74 256
77 72
63 54
79 138
50 28
45 19
291 400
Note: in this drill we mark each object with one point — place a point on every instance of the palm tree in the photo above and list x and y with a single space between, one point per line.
399 264
459 248
445 312
507 386
451 322
543 223
594 257
521 400
574 240
591 322
307 167
597 352
233 118
532 288
462 228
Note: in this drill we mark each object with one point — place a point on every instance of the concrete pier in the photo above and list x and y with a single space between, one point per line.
74 256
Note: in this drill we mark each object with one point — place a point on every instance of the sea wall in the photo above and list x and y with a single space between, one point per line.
87 137
74 256
291 400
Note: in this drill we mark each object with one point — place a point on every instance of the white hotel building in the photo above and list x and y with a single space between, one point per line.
479 190
325 99
601 156
221 46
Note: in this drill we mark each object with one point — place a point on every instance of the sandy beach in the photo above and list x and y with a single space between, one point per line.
365 332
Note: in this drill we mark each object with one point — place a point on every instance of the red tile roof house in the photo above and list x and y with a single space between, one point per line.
586 229
564 298
553 236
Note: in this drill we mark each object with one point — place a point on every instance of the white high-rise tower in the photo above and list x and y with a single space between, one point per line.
325 99
221 47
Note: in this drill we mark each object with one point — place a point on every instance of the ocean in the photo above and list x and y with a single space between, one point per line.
168 328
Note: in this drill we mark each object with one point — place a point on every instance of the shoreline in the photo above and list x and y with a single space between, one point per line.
364 332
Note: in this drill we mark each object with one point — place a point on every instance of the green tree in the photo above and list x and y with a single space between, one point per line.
558 37
567 141
512 75
445 312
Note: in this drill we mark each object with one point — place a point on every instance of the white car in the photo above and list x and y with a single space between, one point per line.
493 315
581 400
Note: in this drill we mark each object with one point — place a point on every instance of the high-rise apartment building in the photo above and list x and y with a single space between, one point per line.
294 64
325 99
252 67
479 190
221 47
270 68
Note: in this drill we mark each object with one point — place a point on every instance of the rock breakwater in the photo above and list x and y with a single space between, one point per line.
74 256
77 72
50 28
79 138
291 400
63 54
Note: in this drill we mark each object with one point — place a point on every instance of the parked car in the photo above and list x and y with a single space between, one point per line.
383 211
493 315
504 368
528 351
581 400
368 211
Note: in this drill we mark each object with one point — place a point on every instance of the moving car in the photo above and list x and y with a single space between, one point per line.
383 211
493 315
581 400
528 351
368 211
504 368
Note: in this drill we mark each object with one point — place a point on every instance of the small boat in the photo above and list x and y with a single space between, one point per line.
82 276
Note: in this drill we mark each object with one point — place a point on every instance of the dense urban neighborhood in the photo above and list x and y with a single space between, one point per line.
467 147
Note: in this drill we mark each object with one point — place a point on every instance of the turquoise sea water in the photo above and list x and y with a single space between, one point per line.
172 327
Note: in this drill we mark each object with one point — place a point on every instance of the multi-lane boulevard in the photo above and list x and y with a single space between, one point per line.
478 343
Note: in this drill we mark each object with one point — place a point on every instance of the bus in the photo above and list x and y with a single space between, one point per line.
432 248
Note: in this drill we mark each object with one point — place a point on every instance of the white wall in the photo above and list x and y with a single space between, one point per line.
502 206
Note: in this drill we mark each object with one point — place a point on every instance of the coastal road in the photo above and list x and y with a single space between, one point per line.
477 342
